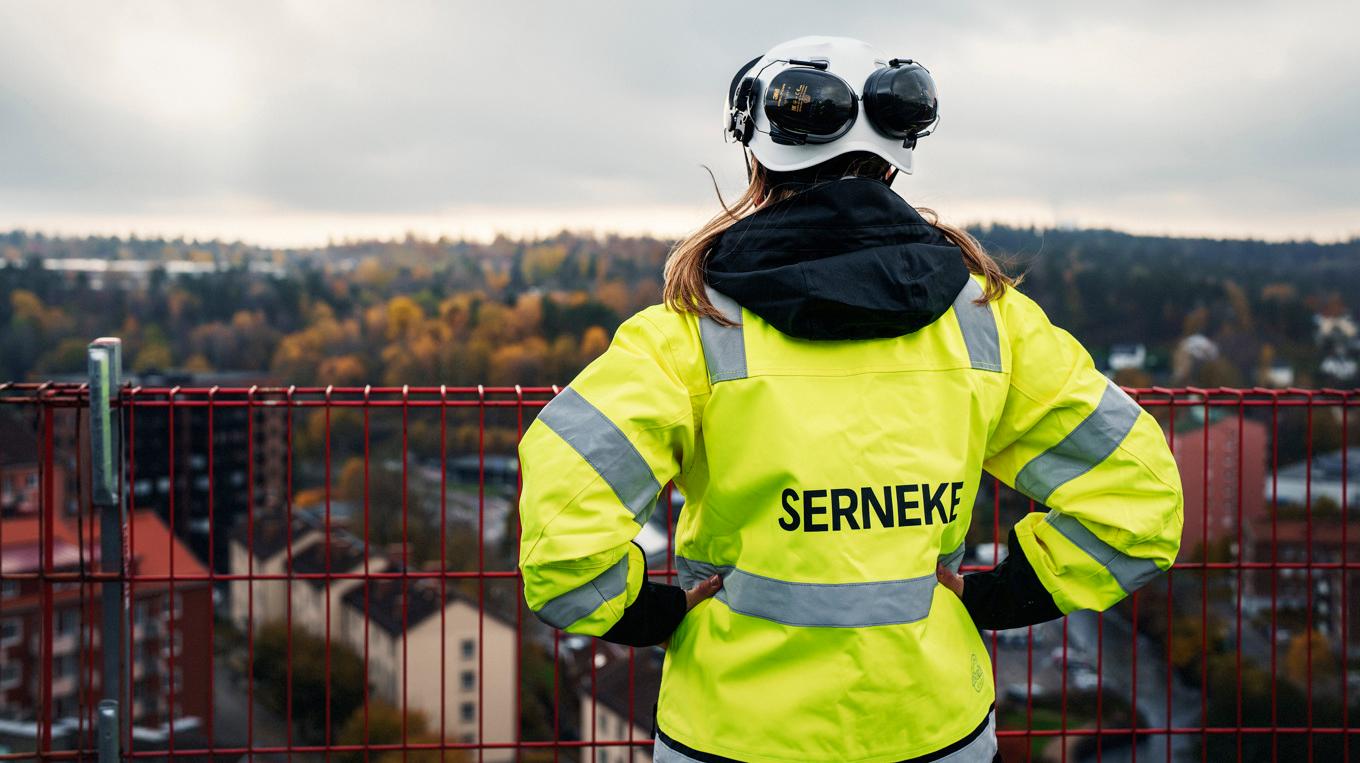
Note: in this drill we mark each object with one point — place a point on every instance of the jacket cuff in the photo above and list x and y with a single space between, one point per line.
1009 595
651 618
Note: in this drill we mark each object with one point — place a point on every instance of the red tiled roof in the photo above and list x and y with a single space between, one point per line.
19 544
29 558
152 546
25 530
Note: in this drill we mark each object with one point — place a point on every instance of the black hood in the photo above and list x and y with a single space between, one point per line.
843 259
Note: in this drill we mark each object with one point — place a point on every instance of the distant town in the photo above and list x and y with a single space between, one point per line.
332 529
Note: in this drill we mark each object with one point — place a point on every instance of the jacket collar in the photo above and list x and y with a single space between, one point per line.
842 259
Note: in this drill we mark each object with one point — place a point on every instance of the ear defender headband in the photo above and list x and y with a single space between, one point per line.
806 104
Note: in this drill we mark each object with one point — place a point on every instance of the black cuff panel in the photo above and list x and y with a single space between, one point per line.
651 618
1009 595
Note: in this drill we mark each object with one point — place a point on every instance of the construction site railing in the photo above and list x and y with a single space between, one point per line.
318 572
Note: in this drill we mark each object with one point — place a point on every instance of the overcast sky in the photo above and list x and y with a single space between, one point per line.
295 122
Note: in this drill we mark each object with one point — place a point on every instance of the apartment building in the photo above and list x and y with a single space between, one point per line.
619 706
437 653
172 616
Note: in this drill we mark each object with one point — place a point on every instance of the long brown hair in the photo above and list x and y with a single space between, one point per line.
684 272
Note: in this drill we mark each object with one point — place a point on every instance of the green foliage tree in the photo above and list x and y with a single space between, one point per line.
313 661
1310 654
381 725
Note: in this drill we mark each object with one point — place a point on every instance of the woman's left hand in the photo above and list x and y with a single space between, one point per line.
949 579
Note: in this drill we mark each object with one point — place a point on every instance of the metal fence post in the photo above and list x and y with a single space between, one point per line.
108 730
105 370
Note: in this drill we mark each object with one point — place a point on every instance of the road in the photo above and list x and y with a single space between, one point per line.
1118 675
231 716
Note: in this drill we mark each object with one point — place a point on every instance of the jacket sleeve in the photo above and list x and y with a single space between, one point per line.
651 618
594 462
1075 442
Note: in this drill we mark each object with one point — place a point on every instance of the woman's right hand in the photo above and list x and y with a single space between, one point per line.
704 589
949 579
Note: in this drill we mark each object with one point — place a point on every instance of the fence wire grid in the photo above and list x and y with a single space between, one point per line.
319 573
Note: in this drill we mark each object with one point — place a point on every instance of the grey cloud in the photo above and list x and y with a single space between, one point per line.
1251 107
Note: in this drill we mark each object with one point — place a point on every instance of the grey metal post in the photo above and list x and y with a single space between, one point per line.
105 356
108 731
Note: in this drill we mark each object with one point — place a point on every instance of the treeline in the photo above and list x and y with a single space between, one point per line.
411 312
1256 300
534 312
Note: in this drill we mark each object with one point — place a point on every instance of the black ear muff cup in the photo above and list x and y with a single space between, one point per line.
900 100
806 105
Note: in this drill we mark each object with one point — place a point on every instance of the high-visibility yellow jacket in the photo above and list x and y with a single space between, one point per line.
824 480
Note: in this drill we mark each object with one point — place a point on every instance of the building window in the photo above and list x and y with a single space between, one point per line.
66 666
468 711
9 589
10 675
173 646
68 621
469 648
11 631
469 680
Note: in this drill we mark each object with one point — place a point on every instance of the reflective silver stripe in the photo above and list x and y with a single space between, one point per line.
724 346
953 559
664 753
579 602
1130 572
819 605
1091 442
691 571
606 448
982 748
979 328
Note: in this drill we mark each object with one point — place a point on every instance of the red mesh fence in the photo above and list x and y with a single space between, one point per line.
318 573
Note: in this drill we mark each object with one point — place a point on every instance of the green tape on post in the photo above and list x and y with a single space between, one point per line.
105 361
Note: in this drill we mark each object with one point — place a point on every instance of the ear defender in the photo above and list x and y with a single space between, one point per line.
794 107
740 126
807 104
900 101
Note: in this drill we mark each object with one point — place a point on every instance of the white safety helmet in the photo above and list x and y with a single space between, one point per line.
815 98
